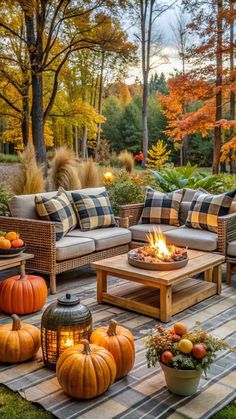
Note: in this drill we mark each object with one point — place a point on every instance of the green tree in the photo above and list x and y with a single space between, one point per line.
111 128
156 120
158 84
131 127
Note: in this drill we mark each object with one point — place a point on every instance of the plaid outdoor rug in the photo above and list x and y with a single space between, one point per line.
142 394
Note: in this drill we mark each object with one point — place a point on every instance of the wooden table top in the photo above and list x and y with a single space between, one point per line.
198 262
6 263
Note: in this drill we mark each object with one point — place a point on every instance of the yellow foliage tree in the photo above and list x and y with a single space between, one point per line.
158 155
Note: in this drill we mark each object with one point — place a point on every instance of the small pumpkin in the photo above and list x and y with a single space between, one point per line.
85 371
23 294
18 341
120 342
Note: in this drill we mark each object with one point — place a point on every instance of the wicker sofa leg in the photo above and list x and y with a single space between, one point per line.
228 272
53 284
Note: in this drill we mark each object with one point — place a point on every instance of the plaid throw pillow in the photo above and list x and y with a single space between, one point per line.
161 208
59 210
94 211
206 208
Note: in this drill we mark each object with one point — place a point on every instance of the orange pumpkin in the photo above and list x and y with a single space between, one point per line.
85 371
23 294
18 341
120 342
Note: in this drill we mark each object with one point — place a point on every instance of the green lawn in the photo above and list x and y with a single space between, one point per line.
13 406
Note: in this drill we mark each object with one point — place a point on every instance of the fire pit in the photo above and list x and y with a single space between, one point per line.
157 255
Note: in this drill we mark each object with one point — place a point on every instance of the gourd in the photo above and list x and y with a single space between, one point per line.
23 294
85 371
120 342
18 341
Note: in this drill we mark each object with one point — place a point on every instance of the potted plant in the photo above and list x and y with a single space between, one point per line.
183 355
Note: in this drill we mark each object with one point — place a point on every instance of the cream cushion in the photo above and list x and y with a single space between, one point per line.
194 239
140 231
231 249
71 247
23 206
105 238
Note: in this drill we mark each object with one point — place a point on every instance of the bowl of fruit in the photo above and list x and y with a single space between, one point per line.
11 244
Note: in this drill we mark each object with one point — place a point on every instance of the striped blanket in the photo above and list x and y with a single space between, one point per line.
143 393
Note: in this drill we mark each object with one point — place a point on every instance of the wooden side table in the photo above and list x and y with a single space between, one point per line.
20 261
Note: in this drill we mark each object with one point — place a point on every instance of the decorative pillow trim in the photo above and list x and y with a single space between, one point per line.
206 208
161 208
94 211
59 210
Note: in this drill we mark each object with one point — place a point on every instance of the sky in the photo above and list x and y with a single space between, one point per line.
163 25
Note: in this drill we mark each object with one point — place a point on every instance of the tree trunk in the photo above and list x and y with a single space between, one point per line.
25 120
84 150
35 52
101 88
145 119
219 68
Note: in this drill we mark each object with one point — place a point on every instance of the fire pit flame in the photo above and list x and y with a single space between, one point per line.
157 254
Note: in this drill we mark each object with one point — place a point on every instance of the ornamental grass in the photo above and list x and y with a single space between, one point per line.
64 170
89 174
126 161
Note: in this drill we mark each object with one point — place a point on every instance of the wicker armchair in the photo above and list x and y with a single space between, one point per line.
226 229
40 237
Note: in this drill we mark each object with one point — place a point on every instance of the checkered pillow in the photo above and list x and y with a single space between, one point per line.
161 208
206 208
94 211
59 210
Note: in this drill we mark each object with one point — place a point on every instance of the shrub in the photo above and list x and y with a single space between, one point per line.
9 158
189 176
126 160
29 178
103 153
125 189
158 155
89 174
4 196
64 170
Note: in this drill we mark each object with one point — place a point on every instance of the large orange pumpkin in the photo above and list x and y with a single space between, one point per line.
18 341
23 294
85 371
120 342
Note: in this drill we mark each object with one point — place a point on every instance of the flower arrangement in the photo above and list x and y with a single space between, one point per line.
183 350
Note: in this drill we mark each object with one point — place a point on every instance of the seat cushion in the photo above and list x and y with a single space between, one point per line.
161 208
140 231
71 247
105 238
231 249
194 239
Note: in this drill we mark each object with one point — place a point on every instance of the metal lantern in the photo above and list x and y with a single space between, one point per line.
64 323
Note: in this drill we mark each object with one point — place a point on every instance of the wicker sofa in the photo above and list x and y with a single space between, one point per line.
223 242
77 248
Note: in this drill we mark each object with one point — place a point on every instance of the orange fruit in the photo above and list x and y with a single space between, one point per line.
176 338
185 346
166 357
199 350
17 243
5 244
180 329
12 235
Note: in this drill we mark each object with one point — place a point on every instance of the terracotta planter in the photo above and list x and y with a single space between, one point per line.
181 382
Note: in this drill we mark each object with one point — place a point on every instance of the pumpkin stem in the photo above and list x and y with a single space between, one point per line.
16 324
22 271
111 331
87 349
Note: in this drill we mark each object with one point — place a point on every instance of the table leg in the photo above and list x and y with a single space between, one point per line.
217 277
208 275
165 302
228 272
101 285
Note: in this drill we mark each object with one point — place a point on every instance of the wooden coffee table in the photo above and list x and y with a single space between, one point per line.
159 294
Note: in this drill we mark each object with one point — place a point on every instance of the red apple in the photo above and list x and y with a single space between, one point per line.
166 357
199 350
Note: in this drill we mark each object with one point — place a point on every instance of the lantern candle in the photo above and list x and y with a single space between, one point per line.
108 176
64 324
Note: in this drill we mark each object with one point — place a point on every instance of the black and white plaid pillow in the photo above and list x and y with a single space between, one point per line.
161 208
59 210
94 211
206 208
